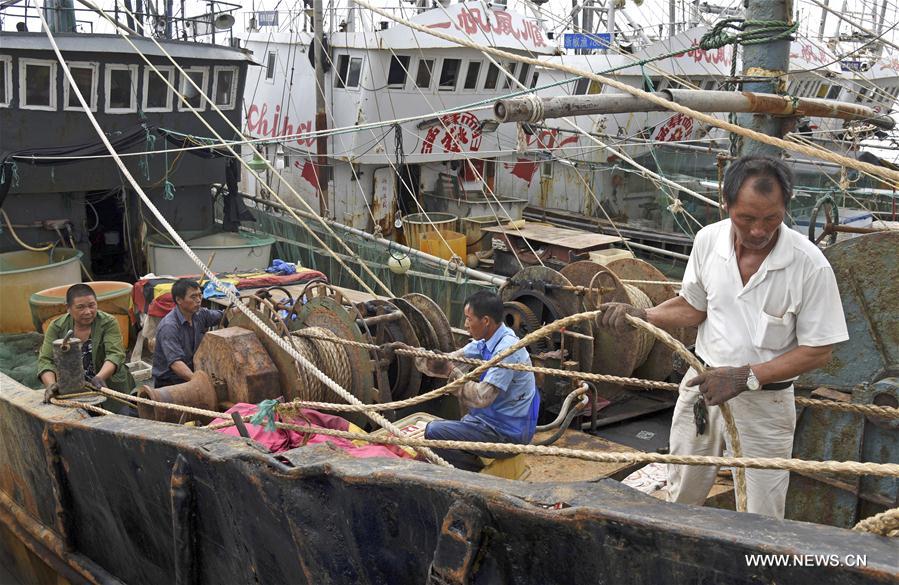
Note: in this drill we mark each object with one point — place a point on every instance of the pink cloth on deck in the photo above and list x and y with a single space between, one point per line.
283 439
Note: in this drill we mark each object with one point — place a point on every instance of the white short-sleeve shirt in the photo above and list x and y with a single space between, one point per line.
791 300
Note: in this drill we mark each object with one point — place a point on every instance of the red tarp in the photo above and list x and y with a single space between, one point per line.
283 439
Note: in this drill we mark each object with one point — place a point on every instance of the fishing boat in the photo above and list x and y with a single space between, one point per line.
92 497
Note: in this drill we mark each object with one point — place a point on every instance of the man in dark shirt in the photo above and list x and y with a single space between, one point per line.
179 334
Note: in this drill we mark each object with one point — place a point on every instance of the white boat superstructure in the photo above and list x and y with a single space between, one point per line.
412 129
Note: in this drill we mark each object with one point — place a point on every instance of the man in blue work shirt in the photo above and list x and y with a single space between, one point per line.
179 334
502 405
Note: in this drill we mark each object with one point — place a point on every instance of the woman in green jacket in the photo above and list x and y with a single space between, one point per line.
102 350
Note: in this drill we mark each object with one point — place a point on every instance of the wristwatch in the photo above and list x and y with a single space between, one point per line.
752 382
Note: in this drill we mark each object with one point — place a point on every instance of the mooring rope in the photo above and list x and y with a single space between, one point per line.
885 524
632 457
888 412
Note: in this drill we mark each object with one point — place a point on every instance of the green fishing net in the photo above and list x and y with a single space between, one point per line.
18 357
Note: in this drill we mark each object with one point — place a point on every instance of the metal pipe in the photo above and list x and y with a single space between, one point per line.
322 171
469 272
579 391
524 110
378 319
655 250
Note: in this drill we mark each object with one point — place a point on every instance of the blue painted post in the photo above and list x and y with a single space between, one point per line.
767 59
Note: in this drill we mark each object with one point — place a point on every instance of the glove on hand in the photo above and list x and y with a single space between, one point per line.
718 385
614 315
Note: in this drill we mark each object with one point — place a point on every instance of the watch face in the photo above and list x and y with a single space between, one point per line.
752 382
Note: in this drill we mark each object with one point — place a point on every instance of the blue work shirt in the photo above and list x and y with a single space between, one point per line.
176 339
513 412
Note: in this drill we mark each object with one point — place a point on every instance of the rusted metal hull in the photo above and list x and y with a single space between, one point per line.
115 499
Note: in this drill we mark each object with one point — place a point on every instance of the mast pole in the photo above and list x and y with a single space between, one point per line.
770 61
672 17
823 20
321 114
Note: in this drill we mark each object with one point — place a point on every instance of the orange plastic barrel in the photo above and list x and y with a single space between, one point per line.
445 245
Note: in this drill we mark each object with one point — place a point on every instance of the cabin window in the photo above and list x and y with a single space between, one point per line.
121 89
224 87
37 84
158 95
862 92
523 73
423 75
492 76
472 74
399 69
822 90
5 81
709 85
195 99
354 75
270 67
343 65
812 88
534 79
834 92
85 75
511 68
546 169
594 88
449 74
581 85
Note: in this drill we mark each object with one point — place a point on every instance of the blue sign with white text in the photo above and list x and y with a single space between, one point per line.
588 40
268 17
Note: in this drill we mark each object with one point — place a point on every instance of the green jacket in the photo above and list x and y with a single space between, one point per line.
107 346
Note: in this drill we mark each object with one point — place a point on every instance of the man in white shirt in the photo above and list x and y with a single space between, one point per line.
768 309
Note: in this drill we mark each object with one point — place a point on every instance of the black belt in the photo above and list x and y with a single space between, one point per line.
777 386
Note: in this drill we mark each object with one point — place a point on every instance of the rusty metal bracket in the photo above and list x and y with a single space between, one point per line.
458 546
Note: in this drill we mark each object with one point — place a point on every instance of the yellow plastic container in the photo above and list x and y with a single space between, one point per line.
416 225
25 272
113 297
436 245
